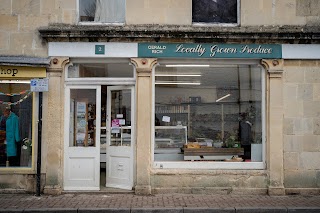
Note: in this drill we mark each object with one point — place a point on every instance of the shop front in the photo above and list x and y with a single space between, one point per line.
99 126
146 116
210 117
99 109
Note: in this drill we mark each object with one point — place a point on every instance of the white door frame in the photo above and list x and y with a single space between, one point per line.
130 183
78 152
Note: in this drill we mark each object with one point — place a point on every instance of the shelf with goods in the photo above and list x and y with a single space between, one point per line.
179 114
103 128
91 124
84 128
204 117
171 108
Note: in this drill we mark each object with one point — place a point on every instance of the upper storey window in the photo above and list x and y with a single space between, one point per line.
102 11
215 11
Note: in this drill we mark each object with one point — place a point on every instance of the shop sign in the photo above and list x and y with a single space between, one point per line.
13 72
188 50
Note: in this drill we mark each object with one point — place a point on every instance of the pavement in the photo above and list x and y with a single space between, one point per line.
172 203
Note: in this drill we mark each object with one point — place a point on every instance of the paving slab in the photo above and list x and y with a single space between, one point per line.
262 210
103 210
209 210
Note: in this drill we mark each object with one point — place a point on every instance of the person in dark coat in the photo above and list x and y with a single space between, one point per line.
245 135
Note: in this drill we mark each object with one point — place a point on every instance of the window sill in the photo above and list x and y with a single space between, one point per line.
209 165
92 23
202 24
17 170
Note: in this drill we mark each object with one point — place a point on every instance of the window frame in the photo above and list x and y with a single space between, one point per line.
206 24
35 113
99 23
100 80
207 165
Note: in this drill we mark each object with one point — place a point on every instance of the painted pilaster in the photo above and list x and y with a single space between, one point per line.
52 152
143 123
275 125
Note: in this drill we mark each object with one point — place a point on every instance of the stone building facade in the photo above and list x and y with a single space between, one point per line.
50 34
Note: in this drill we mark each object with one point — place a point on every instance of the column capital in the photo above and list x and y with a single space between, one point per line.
274 67
57 64
144 66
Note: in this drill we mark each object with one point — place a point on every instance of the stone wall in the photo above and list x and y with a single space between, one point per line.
302 124
19 20
209 181
253 12
176 12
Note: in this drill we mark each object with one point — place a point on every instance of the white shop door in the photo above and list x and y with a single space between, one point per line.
82 138
120 137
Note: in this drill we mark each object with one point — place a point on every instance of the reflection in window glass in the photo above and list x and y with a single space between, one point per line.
100 71
208 113
15 125
82 117
105 11
215 11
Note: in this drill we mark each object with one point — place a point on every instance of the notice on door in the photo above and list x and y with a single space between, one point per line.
115 123
115 126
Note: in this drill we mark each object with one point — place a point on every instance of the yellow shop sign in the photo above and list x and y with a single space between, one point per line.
13 72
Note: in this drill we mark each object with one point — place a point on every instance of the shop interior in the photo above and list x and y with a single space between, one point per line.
15 124
208 113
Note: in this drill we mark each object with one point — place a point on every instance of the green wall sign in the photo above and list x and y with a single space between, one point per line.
191 50
99 49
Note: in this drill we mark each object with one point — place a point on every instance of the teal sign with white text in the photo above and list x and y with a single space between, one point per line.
192 50
99 49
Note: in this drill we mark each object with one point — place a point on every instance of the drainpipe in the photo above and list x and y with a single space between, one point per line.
39 146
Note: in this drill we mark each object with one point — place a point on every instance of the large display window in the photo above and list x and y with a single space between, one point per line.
16 116
208 113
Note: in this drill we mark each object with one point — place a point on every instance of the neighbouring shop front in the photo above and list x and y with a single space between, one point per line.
19 114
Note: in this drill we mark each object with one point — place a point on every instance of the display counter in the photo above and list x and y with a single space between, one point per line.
211 153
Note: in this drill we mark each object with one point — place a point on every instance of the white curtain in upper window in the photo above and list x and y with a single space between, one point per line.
110 11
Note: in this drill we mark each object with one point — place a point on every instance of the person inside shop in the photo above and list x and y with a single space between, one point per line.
12 140
3 156
245 135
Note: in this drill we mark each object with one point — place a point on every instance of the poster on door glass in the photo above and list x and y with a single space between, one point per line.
81 124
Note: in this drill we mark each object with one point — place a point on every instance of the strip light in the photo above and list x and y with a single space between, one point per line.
223 97
182 75
187 65
181 83
15 81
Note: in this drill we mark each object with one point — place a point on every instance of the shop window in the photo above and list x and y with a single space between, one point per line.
102 11
215 11
96 70
208 113
16 116
82 117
